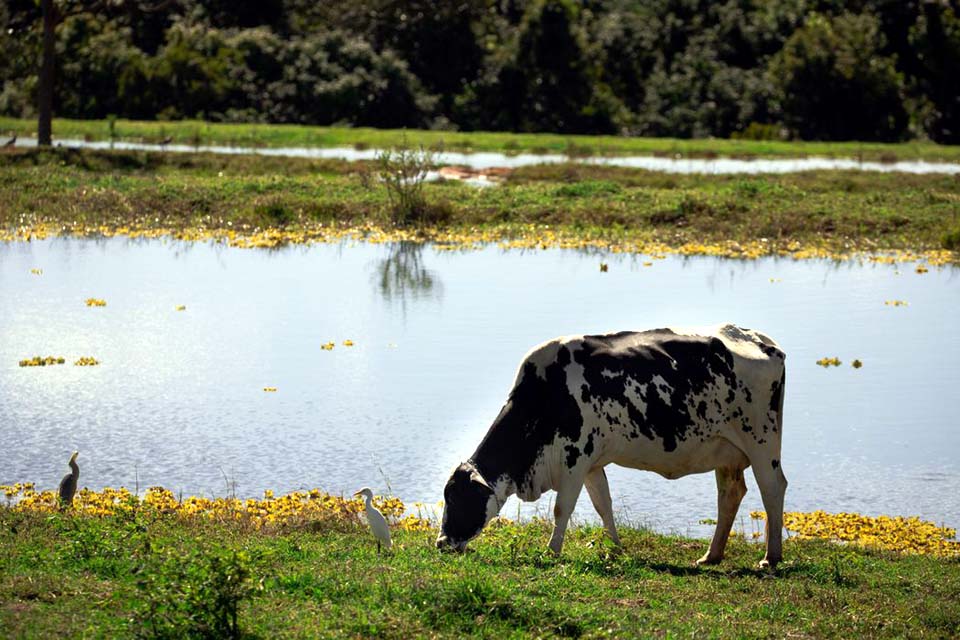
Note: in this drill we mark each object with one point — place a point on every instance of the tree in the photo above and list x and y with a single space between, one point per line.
546 79
835 85
936 37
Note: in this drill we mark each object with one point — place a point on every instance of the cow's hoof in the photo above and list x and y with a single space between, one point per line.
706 560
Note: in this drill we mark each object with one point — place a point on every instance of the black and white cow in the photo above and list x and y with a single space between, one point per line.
674 402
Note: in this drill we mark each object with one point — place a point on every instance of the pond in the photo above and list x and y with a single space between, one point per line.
487 160
178 399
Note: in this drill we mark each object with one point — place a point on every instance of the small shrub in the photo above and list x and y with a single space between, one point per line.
951 240
403 172
588 188
274 214
194 597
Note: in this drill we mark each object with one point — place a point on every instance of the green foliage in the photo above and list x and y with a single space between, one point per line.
194 596
402 172
871 70
951 240
936 37
588 188
836 85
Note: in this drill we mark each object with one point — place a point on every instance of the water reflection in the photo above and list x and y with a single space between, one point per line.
402 276
178 398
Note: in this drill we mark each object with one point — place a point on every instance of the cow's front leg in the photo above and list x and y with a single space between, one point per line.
567 496
599 492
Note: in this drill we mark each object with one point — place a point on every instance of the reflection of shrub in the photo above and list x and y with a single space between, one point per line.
403 172
198 596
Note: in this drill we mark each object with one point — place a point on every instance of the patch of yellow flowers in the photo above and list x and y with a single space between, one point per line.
96 302
530 236
905 535
40 361
829 362
86 361
293 509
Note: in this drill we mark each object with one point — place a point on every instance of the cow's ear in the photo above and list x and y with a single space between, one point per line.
479 479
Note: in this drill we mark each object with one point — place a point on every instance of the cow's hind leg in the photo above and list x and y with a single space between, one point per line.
773 487
730 491
599 490
567 496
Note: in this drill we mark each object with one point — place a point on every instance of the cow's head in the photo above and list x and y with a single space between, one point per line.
469 503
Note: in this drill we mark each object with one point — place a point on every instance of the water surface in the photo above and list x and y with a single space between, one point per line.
178 399
486 160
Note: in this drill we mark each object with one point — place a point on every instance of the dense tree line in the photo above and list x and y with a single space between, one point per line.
813 69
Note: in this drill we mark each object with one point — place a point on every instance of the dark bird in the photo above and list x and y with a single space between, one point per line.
166 141
68 486
10 142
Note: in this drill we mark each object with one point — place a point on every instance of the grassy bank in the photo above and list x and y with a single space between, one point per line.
259 201
267 135
152 574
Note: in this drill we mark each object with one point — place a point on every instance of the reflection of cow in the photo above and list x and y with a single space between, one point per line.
666 401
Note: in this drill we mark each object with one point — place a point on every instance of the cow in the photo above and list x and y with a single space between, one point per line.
670 401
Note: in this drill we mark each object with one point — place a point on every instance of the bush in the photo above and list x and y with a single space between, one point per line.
403 172
194 597
836 85
951 240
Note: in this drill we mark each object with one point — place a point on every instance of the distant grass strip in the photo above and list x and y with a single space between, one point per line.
190 132
258 201
148 571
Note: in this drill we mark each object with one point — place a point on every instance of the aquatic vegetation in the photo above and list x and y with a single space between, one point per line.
856 364
270 389
895 303
296 509
604 267
36 272
86 361
893 533
328 346
459 238
40 361
829 362
181 307
96 302
348 343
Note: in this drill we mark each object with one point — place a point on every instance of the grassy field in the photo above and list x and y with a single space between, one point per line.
267 135
158 576
566 205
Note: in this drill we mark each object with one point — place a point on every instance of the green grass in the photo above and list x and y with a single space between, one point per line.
839 211
72 576
267 135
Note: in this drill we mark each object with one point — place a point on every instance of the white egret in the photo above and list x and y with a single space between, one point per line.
68 486
378 524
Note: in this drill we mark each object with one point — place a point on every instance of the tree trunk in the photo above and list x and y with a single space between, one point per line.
45 90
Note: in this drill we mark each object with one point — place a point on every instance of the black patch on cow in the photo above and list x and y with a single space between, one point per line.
465 505
588 449
538 410
775 463
702 410
776 394
572 454
687 364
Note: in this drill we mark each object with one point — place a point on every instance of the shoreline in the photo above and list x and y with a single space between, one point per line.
194 133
